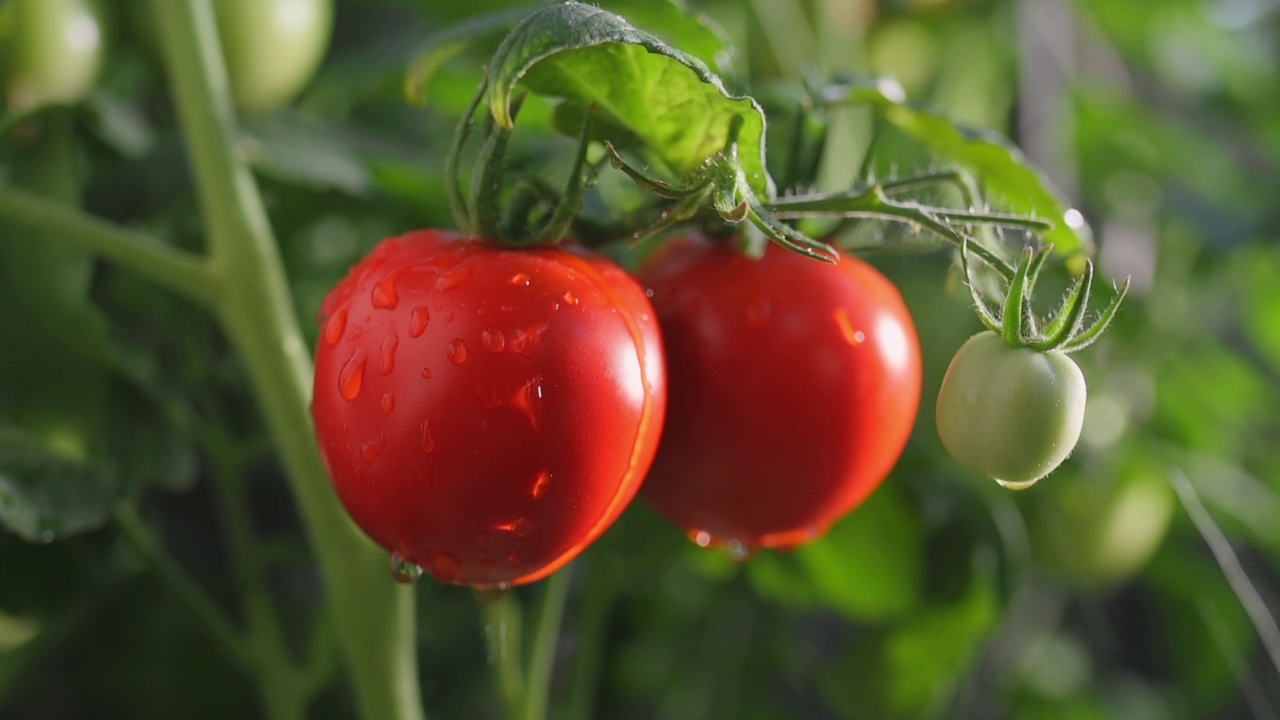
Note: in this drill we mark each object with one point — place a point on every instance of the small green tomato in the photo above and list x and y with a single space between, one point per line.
50 51
272 48
1013 413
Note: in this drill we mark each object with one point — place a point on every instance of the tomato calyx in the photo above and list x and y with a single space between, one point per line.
1065 330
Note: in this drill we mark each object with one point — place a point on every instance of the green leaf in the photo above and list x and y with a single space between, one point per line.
47 494
648 96
695 34
1006 176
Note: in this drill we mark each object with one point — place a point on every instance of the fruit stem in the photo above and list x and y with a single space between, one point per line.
373 615
542 655
501 614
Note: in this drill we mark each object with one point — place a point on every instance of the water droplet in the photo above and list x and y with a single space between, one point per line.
384 295
352 375
759 311
541 484
526 341
428 439
457 351
371 450
426 373
448 318
388 404
528 400
454 279
648 292
493 340
418 320
521 280
851 336
334 327
1015 484
445 568
569 298
404 570
739 552
387 354
520 527
701 538
507 308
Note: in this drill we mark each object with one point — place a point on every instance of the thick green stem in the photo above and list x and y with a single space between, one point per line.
175 269
373 616
543 653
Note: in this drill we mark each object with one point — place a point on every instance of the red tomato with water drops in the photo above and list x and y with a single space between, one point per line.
794 387
485 413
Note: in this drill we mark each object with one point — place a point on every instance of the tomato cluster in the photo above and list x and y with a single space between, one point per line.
486 413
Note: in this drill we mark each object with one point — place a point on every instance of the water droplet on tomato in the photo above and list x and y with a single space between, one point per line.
404 570
384 295
852 336
371 450
701 538
426 373
454 279
569 298
428 440
418 320
739 551
541 484
507 308
457 351
759 311
1015 484
521 280
493 340
445 567
334 327
448 318
520 527
526 341
528 400
388 404
387 354
352 375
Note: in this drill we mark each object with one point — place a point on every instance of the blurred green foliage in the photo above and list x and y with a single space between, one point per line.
942 597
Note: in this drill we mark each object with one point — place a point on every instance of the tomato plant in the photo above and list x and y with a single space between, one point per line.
794 386
487 413
272 48
50 51
1010 412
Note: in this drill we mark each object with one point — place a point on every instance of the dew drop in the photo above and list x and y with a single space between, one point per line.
428 439
526 341
701 538
388 404
445 568
426 373
352 375
528 400
507 308
541 484
569 298
851 336
371 450
493 340
648 292
418 320
404 570
334 327
457 351
520 527
521 280
387 354
739 551
759 311
454 279
448 318
384 295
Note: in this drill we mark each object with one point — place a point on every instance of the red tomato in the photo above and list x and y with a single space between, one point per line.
794 387
487 413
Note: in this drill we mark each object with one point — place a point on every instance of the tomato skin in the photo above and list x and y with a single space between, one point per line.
272 48
487 413
51 51
1010 412
794 388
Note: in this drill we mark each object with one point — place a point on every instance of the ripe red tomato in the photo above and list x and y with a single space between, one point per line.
794 387
487 413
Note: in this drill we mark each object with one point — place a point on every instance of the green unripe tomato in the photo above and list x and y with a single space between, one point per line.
50 51
272 48
1010 412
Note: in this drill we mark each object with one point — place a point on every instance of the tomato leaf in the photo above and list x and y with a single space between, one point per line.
45 494
648 96
695 34
1003 171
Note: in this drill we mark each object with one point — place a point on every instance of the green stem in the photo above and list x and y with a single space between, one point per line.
597 602
542 654
500 611
373 615
220 628
174 269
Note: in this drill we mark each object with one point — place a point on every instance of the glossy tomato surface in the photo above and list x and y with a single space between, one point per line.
794 387
487 413
272 48
50 51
